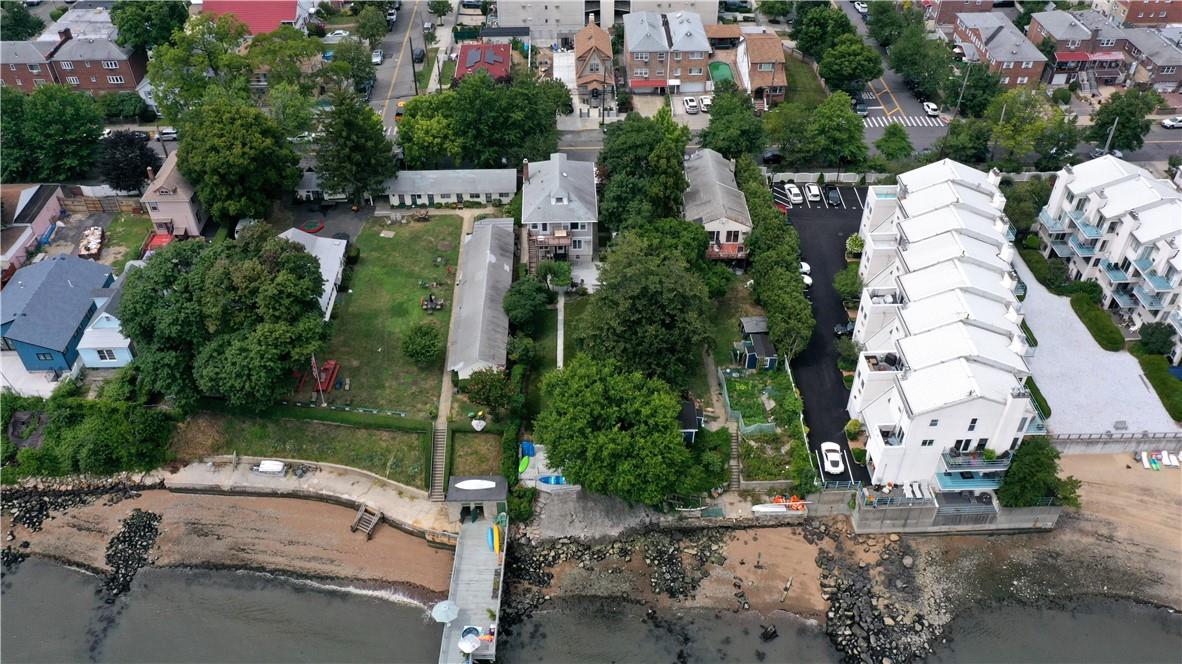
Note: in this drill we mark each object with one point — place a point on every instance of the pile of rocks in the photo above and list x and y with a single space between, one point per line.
31 504
10 558
128 550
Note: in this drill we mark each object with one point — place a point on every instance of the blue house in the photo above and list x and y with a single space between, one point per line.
44 310
756 350
103 345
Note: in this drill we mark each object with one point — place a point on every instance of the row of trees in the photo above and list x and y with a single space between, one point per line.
641 164
830 134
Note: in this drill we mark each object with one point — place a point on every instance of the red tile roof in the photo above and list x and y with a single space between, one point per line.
496 59
258 15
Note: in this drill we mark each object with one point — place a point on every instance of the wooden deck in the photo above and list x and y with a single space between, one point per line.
476 579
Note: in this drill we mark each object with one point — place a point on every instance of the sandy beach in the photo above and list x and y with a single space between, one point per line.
299 537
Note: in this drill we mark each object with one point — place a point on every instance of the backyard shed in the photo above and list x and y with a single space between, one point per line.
756 350
485 274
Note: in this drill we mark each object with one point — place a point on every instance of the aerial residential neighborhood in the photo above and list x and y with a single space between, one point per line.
528 330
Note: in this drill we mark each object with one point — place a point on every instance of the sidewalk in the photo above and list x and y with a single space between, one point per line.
397 502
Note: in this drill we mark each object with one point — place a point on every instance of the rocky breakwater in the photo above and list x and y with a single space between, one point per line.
128 550
674 563
877 613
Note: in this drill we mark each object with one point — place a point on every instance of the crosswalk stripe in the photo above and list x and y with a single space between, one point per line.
905 120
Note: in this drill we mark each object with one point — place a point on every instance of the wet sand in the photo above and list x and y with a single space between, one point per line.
299 537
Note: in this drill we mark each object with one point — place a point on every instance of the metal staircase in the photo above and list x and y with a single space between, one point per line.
735 476
438 464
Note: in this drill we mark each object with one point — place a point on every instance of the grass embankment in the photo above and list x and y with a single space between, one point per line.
369 322
1038 397
1084 295
424 75
475 453
545 360
1168 388
803 85
1098 322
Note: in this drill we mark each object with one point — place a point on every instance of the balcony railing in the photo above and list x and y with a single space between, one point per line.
1061 249
1052 224
1149 300
890 438
1156 281
1114 273
1076 215
1176 321
726 251
1037 425
1124 300
964 461
1089 231
1143 263
550 240
1080 249
965 480
1011 232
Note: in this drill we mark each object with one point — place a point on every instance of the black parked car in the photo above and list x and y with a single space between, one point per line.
772 156
832 194
418 55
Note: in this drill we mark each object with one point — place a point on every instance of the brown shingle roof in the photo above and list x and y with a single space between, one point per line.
169 185
763 48
592 37
723 31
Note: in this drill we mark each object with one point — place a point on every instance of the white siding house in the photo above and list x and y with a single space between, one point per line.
560 209
330 253
714 200
103 345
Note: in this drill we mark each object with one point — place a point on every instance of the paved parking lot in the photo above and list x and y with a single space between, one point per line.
851 198
695 121
823 230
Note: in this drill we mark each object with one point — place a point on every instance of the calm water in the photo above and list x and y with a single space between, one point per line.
51 614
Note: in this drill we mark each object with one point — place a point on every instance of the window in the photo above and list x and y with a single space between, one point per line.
45 357
579 226
106 355
115 80
973 424
576 244
1005 80
660 57
594 68
1022 80
67 65
963 444
695 71
1107 42
36 69
934 423
153 206
766 66
697 55
1007 65
72 80
732 237
1168 70
641 73
677 72
677 55
11 67
642 57
927 442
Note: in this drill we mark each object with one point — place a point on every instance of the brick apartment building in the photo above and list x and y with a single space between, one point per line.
1086 44
23 66
991 38
943 12
666 53
1147 12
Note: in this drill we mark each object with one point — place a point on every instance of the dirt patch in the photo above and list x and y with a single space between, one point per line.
760 562
197 437
111 255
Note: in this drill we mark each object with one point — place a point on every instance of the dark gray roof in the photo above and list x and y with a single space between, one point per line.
1154 46
32 201
91 49
713 193
1062 25
114 294
644 32
686 33
689 417
484 277
504 31
753 324
47 301
559 178
763 345
497 492
1003 41
21 53
465 181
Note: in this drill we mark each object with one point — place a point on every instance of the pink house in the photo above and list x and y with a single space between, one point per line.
27 212
172 204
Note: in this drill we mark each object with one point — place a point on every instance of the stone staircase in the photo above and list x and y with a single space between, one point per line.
438 465
735 477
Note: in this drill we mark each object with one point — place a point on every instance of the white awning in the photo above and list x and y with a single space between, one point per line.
674 81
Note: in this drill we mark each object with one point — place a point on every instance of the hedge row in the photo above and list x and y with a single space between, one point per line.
1168 388
1039 399
1098 322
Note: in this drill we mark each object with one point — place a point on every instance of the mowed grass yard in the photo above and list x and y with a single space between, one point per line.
396 455
124 237
545 359
803 85
475 453
369 322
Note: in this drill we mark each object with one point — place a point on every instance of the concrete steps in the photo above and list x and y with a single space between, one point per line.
735 477
438 465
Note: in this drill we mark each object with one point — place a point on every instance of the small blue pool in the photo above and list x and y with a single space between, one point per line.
552 479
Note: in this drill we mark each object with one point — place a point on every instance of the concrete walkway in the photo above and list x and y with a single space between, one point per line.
400 503
1088 388
716 401
561 328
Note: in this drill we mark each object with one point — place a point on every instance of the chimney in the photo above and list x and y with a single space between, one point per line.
64 35
525 170
151 175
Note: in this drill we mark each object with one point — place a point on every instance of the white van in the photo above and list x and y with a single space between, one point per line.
166 134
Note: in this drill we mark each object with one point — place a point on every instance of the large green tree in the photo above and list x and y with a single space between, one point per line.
353 156
1055 146
648 312
787 127
1033 476
147 24
16 23
290 108
371 25
850 64
124 160
887 21
689 240
237 158
231 319
204 54
625 202
975 88
819 29
283 53
837 132
734 129
1128 111
357 69
967 140
628 445
894 143
524 303
627 145
1018 117
666 182
1024 200
925 64
51 135
426 131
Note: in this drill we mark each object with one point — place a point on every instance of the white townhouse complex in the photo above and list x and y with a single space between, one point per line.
940 382
1117 225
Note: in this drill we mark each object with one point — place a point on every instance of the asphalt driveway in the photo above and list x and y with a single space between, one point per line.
823 230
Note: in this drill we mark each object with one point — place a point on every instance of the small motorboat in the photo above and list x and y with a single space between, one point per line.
270 467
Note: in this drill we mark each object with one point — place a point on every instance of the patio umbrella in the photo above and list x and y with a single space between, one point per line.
445 611
469 644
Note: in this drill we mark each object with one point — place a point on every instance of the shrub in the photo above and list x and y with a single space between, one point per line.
1098 322
1157 338
853 429
1031 242
58 12
854 245
521 504
316 29
1073 86
352 254
804 476
526 300
555 273
1034 475
489 388
847 354
1061 96
859 454
848 284
121 105
522 349
423 343
509 455
1168 388
1036 394
764 458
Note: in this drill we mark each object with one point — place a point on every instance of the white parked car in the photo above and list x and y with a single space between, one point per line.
831 455
862 8
794 195
931 109
691 105
1172 123
377 57
805 268
808 281
338 34
704 102
812 191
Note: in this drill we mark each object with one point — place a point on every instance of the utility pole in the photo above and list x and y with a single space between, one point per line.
1108 141
414 75
1002 119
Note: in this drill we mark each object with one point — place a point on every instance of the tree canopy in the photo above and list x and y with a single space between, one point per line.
231 319
788 127
371 25
648 313
125 159
967 140
979 87
524 303
237 159
887 21
202 55
50 135
353 156
1018 117
16 23
642 163
837 132
1127 110
894 144
629 445
850 64
1033 476
289 107
147 24
818 28
925 64
282 53
734 129
1055 146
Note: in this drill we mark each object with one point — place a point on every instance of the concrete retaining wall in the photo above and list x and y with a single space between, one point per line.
764 485
1116 443
925 519
830 503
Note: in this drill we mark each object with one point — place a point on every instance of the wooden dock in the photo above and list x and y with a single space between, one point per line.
366 521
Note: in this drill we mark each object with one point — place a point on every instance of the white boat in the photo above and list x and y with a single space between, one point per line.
770 508
270 467
475 485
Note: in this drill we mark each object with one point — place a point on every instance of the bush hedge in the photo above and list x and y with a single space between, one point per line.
1168 388
1098 322
1039 399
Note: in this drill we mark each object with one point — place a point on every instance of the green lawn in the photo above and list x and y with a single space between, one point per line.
424 75
545 361
574 310
476 454
1168 388
125 236
803 85
449 72
395 455
368 323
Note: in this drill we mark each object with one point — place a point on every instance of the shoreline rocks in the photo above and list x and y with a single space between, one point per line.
33 503
127 551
